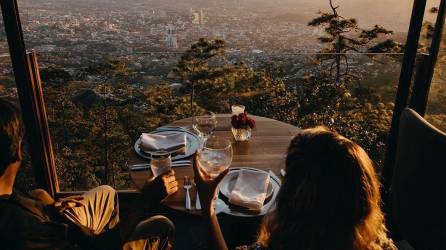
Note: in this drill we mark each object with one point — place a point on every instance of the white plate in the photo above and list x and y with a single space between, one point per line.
227 184
269 205
192 143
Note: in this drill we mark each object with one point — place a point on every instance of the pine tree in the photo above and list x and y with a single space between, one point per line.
194 64
343 36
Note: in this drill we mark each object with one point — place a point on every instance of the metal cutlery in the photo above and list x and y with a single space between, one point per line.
179 128
197 199
146 166
282 172
187 185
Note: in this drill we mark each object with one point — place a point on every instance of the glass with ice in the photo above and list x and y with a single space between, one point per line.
160 163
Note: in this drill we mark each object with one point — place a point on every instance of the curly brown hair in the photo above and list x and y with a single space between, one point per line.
11 134
329 199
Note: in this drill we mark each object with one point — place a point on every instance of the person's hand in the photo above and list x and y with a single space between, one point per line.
155 190
70 202
207 187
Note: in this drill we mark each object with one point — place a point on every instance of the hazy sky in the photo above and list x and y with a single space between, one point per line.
394 14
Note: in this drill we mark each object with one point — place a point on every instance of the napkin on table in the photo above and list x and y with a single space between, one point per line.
250 189
167 142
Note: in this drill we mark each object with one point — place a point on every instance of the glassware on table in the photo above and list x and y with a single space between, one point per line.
242 134
216 156
160 163
204 125
237 109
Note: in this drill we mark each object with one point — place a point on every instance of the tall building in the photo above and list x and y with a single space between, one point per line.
201 15
197 16
171 38
141 20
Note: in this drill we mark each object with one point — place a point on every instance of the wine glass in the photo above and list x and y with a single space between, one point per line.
204 125
214 158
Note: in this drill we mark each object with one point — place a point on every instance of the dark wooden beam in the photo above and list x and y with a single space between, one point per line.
420 93
42 127
31 99
402 95
421 76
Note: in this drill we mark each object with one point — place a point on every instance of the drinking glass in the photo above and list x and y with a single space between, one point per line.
160 163
205 124
216 156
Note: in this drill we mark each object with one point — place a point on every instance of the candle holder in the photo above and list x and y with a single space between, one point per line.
242 134
237 109
242 126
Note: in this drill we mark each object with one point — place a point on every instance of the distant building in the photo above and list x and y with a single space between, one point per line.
171 38
141 20
219 35
197 17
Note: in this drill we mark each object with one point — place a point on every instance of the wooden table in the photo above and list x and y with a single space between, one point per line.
265 150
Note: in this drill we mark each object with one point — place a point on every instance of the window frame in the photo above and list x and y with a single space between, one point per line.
34 115
31 99
416 86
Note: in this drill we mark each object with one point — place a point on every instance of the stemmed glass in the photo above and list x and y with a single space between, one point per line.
205 125
214 158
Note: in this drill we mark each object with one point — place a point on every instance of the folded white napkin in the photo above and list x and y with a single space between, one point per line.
250 189
167 142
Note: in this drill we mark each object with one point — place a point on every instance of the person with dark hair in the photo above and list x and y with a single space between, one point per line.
34 220
329 199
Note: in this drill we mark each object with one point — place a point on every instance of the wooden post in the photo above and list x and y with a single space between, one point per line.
424 76
402 95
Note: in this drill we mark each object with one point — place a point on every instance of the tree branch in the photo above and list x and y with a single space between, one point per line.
333 8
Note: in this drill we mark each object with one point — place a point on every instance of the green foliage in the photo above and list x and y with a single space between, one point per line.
209 74
93 142
195 61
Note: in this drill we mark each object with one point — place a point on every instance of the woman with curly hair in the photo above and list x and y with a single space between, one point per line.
329 200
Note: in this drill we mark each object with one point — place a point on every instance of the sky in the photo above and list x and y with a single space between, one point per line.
392 14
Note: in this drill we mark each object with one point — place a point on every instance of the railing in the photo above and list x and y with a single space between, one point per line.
98 107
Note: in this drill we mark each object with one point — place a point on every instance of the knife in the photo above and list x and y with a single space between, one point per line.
146 166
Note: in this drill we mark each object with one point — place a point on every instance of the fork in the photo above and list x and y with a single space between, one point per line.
187 185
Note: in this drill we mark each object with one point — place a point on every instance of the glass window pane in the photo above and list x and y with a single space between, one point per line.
436 107
113 71
8 91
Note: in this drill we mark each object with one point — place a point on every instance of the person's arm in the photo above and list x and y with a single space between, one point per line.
207 190
212 224
155 190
